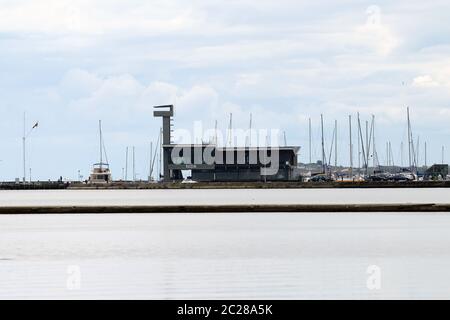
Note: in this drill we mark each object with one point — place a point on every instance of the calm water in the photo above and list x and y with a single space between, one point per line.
224 196
256 255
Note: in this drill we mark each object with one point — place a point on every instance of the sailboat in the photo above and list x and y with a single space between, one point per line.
100 171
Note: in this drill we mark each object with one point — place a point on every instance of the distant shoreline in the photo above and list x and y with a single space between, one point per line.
222 185
266 185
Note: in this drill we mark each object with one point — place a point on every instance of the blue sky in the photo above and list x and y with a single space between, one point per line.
70 63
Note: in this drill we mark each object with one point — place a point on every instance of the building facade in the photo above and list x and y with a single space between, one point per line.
209 163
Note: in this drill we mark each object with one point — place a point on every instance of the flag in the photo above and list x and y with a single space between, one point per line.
35 125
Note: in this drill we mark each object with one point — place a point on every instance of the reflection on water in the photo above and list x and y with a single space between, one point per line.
274 256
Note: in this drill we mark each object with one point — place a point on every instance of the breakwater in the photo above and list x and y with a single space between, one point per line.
35 185
98 209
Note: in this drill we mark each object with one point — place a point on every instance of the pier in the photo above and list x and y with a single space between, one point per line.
36 185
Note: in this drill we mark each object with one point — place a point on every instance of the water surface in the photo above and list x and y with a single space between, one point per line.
223 196
254 255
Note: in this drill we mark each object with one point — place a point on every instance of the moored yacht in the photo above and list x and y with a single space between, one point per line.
100 171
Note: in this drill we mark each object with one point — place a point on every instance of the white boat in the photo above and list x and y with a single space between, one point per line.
100 171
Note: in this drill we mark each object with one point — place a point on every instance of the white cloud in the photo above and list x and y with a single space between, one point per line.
425 81
248 80
159 93
93 17
198 99
79 83
123 96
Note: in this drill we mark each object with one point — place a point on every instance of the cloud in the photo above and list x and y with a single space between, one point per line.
198 98
124 98
159 93
110 97
425 81
87 95
70 63
79 83
93 17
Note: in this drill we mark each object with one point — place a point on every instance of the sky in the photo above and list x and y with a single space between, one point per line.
68 64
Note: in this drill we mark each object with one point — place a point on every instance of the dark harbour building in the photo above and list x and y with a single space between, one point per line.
436 172
210 163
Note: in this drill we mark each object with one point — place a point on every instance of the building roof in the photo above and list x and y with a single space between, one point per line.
295 149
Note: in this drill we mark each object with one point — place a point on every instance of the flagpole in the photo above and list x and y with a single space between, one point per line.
23 147
25 135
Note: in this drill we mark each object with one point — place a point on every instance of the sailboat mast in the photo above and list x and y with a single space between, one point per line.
335 144
126 164
250 134
409 139
367 146
401 154
374 150
418 152
362 143
101 150
23 147
155 155
215 133
391 158
425 154
350 145
151 162
160 153
230 129
359 148
323 144
387 154
134 164
310 141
